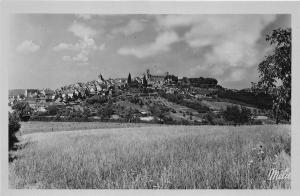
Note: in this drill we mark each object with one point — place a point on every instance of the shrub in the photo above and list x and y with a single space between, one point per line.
210 118
96 99
13 128
232 114
245 115
23 110
236 115
196 106
53 110
106 111
158 110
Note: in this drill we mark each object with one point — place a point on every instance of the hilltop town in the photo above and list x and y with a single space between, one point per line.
148 97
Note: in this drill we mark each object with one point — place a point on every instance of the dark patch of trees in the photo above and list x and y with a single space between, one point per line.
237 115
158 110
13 128
179 99
259 100
23 110
96 99
106 111
52 110
196 106
201 81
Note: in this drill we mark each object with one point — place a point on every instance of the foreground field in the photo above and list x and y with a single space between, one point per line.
172 157
39 126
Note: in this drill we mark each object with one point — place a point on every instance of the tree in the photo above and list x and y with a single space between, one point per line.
145 83
106 111
129 79
13 128
232 113
23 110
236 115
275 73
129 114
245 115
53 110
210 118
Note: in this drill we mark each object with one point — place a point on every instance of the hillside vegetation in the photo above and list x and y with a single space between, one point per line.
157 157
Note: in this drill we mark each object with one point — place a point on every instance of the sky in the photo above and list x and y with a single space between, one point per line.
53 50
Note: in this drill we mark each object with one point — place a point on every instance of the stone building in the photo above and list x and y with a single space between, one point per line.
155 78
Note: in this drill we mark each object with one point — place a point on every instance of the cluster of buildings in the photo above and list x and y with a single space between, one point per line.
37 95
105 87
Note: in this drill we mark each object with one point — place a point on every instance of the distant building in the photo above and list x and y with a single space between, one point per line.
31 93
199 82
47 92
155 78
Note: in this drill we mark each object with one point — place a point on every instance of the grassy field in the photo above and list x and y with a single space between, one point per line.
38 126
156 157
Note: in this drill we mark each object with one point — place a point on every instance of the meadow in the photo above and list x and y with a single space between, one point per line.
40 126
155 157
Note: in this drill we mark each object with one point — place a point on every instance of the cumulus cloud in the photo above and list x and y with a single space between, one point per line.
81 58
84 46
66 58
27 46
232 39
63 46
102 46
161 44
81 30
134 26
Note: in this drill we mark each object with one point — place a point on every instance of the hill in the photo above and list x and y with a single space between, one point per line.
155 99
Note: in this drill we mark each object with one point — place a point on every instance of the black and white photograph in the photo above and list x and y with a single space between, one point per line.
149 101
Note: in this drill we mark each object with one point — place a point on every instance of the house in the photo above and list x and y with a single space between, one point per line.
31 93
48 93
16 92
261 118
115 117
147 118
144 113
41 109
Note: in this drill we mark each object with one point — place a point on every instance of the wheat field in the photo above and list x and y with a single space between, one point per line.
156 157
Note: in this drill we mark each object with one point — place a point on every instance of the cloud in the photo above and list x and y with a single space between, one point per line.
81 58
27 46
134 26
82 31
84 46
63 46
232 40
102 46
236 75
161 44
66 58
